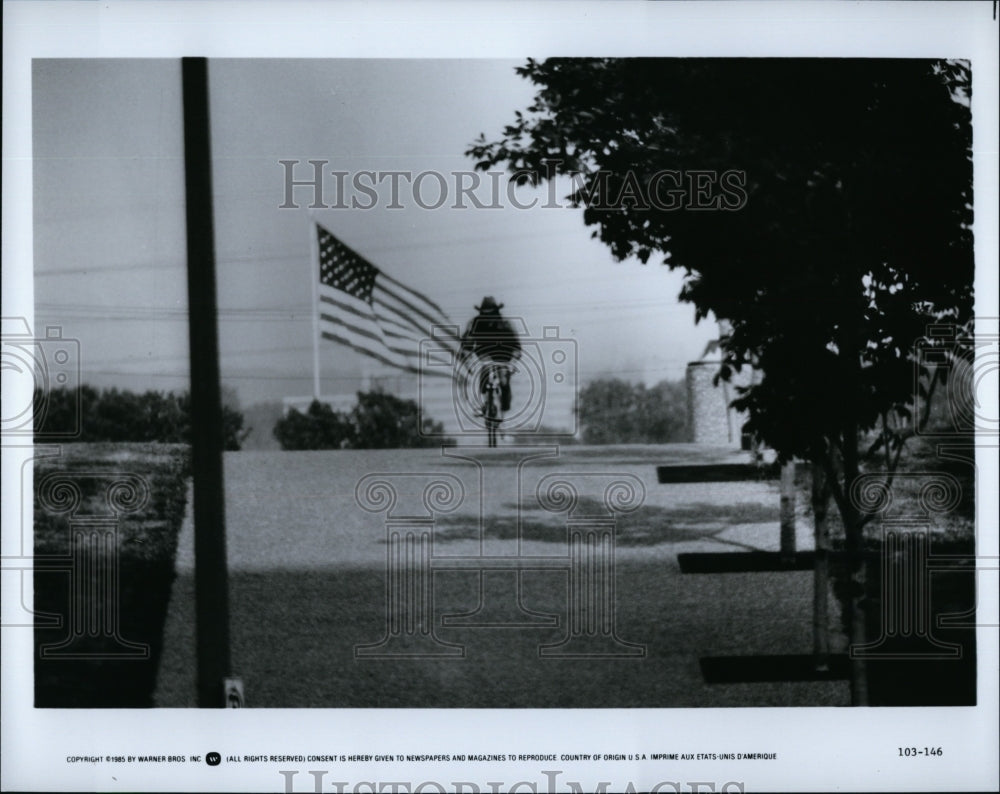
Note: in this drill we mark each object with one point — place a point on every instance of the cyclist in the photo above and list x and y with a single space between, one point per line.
491 340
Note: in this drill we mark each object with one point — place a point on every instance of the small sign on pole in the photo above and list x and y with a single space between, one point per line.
233 688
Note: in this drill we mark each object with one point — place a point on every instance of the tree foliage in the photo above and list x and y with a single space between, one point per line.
855 230
378 421
320 427
88 414
613 411
823 207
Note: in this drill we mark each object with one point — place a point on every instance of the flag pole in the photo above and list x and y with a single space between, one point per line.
216 686
366 375
315 269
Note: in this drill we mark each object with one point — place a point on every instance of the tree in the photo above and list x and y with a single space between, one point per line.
823 207
608 409
612 411
319 428
378 421
384 421
665 414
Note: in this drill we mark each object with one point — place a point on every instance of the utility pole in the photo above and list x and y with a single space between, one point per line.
215 688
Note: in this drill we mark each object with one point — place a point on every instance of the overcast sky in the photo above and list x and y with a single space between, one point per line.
109 224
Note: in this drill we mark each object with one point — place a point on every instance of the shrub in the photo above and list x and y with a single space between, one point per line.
320 427
146 550
378 421
121 415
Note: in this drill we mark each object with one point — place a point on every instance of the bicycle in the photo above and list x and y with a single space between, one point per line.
493 378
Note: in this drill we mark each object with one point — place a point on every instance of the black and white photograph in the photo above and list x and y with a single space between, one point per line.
581 410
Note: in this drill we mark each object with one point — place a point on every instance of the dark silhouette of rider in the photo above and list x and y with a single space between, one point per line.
489 337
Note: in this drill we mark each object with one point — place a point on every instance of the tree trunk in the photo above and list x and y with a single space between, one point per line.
821 570
854 531
787 512
850 346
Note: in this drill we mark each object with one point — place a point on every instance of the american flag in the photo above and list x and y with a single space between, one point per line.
373 313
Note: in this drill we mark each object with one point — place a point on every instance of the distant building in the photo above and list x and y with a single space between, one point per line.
713 422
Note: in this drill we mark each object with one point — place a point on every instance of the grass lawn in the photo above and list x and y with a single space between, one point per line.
295 631
296 621
307 585
104 569
308 576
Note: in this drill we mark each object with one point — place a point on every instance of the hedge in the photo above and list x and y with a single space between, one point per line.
92 671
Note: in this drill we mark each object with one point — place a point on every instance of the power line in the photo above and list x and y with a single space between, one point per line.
88 269
370 250
185 375
603 373
297 313
158 360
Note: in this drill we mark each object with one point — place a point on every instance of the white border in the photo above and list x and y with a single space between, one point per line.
849 749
